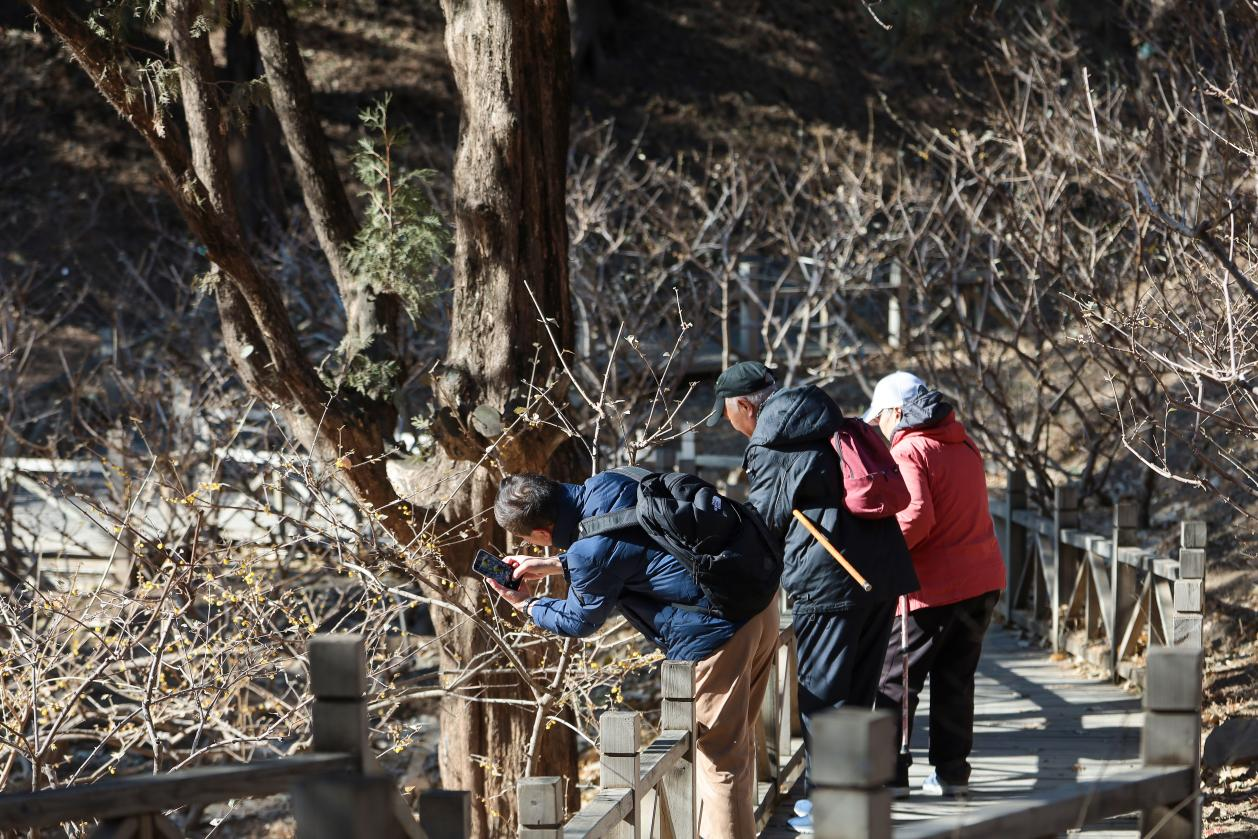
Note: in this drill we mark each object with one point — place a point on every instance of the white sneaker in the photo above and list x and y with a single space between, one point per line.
801 824
803 807
934 786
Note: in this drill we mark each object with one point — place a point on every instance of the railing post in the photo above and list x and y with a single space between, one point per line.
749 317
1015 541
1172 736
338 680
445 812
619 766
541 807
1066 561
853 759
362 804
1190 587
346 806
679 806
665 457
897 303
686 452
1124 589
784 681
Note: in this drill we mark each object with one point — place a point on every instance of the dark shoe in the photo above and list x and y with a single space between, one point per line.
899 785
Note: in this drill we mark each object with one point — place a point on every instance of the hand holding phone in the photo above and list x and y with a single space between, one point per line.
534 567
493 568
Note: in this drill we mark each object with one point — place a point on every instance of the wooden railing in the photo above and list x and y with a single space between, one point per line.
338 790
1098 597
72 545
651 791
855 759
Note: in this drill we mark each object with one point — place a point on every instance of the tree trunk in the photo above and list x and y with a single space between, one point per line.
511 64
254 150
510 311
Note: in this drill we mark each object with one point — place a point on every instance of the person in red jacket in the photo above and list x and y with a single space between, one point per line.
952 541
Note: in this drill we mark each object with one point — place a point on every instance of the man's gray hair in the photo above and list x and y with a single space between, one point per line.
758 398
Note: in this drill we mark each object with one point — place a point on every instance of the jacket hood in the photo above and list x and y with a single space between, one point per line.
932 415
571 510
797 415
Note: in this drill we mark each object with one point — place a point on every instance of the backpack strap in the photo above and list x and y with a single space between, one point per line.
637 473
616 519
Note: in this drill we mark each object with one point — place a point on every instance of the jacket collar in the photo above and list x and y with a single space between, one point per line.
928 410
569 518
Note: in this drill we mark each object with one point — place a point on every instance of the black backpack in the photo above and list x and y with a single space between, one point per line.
725 545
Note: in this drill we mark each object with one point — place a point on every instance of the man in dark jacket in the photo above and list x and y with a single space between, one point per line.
841 630
627 571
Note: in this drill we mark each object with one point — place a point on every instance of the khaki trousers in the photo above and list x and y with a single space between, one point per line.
729 689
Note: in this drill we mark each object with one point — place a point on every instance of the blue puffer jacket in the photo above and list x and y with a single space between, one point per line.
626 570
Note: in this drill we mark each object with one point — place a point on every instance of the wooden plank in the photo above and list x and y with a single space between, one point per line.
677 792
1046 564
1136 623
1163 604
1123 580
1101 586
1060 810
1165 568
662 755
853 748
338 666
1174 679
1084 540
1189 596
619 764
345 806
1033 521
338 680
852 813
601 816
1066 560
1078 593
159 793
1039 725
446 812
1015 540
1192 534
541 807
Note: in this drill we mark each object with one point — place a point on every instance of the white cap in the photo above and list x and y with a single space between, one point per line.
893 391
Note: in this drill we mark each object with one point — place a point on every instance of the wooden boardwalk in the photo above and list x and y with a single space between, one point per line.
1039 725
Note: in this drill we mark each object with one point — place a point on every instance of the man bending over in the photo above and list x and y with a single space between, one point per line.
627 571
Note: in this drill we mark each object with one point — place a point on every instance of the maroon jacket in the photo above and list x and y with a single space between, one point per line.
947 525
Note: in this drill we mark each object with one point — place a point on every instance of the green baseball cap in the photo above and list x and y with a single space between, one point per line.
739 380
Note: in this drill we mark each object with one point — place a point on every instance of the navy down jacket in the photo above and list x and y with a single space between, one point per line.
791 465
626 570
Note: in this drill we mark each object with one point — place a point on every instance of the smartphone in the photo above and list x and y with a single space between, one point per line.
488 565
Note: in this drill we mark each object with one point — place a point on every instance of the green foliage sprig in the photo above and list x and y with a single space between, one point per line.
403 239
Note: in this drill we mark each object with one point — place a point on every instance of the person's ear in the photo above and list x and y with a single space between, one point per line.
541 536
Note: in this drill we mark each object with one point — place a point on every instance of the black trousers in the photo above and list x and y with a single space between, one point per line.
944 642
839 658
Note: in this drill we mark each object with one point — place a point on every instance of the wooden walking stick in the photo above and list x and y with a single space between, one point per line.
832 550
